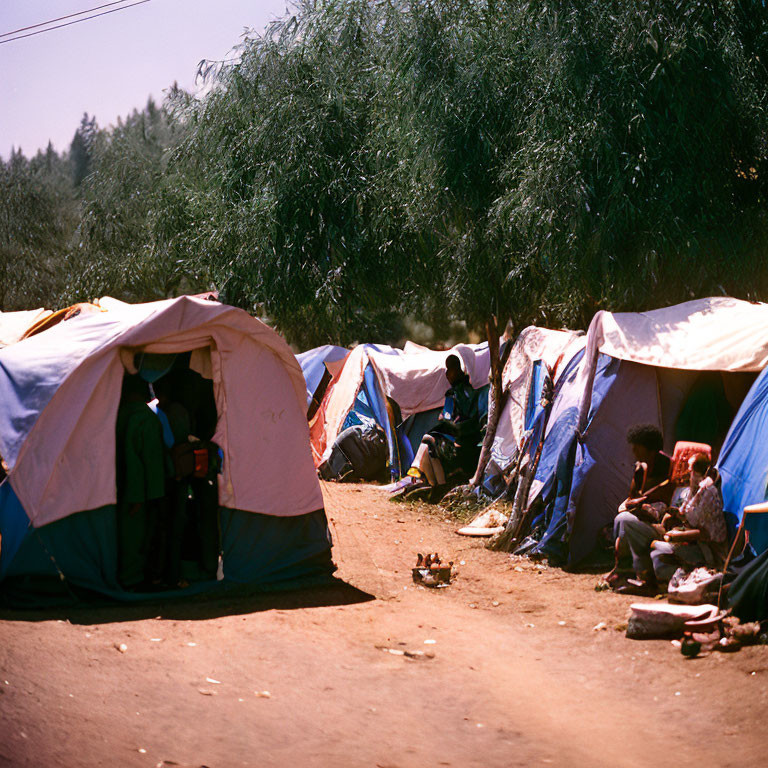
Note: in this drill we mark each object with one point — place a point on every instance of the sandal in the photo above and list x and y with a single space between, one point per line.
638 588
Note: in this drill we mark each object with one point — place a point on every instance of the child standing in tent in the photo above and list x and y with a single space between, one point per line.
140 480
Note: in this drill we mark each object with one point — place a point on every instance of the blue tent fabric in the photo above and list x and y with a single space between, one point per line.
563 480
29 389
596 471
313 362
263 550
413 429
533 406
743 462
378 405
13 526
562 430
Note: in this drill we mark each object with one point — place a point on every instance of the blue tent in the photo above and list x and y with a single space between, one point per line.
586 463
743 462
584 475
370 406
400 390
313 362
59 395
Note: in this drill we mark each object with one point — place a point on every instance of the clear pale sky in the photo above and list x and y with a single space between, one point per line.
108 65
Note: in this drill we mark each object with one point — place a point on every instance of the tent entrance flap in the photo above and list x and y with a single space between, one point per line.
167 474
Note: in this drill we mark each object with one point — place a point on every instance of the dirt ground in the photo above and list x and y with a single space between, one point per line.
513 672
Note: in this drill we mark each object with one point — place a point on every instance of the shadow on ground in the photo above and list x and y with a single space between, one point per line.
95 609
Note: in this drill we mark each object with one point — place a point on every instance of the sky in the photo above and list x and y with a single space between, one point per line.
110 65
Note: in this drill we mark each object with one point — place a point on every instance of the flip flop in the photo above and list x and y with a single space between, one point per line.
638 588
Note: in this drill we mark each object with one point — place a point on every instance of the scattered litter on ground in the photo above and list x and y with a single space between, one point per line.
600 626
654 620
206 691
211 680
430 571
263 694
419 655
429 642
122 647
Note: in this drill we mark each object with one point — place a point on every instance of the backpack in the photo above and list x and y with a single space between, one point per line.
358 453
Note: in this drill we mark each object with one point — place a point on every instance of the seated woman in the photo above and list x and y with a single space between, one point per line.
635 525
451 447
697 532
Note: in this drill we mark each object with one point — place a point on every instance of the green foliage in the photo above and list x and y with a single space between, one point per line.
363 160
117 251
35 220
81 149
284 165
535 160
636 182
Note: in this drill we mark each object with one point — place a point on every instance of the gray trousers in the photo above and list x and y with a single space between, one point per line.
637 537
667 559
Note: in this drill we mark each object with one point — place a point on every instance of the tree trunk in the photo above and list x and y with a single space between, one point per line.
495 399
509 538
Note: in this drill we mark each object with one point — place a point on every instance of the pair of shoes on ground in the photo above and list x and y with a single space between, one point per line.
417 490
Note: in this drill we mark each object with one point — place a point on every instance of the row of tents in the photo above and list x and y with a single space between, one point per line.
697 370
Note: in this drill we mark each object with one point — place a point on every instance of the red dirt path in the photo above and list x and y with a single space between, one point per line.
518 676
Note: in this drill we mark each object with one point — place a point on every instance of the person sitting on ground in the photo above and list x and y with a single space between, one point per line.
453 445
696 533
649 495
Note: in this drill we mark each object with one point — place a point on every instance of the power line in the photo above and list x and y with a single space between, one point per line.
60 18
76 21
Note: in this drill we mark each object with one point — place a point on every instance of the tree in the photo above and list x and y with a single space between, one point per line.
81 149
117 250
288 200
32 237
